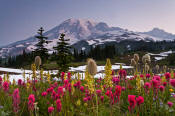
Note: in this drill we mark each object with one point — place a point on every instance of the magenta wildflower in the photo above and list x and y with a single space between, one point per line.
148 75
60 90
102 98
6 86
53 95
49 90
172 82
31 101
164 84
59 105
16 100
141 76
98 92
19 82
161 88
66 82
50 110
0 80
69 75
82 88
44 93
85 99
139 100
155 83
167 76
132 102
147 85
170 104
62 76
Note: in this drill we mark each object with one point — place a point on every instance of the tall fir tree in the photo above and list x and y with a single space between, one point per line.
42 41
63 54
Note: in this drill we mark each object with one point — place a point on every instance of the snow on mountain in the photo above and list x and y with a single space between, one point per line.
160 33
94 33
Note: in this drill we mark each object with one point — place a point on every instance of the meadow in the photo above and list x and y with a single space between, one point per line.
145 93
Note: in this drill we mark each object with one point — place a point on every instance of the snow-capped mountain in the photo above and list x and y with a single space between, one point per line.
76 30
160 33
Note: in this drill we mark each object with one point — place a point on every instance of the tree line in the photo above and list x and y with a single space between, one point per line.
64 54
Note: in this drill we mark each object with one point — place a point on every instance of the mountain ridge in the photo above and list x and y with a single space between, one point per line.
94 33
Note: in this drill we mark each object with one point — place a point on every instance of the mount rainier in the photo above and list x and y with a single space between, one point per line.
88 31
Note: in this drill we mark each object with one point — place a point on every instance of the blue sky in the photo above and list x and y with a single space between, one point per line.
20 19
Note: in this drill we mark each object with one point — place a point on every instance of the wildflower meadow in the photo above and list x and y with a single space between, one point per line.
144 94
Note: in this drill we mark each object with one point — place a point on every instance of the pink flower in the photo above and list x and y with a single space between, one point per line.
141 76
31 101
139 100
85 99
155 83
170 104
60 90
78 84
167 76
34 88
62 75
108 93
69 88
75 85
54 85
66 82
164 84
6 86
172 82
102 98
89 98
53 95
161 88
19 82
118 90
113 72
44 94
82 88
59 105
16 100
122 73
157 78
147 85
50 109
98 91
148 75
49 90
123 88
132 102
0 80
69 75
115 80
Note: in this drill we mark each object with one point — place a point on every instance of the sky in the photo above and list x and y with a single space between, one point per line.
20 19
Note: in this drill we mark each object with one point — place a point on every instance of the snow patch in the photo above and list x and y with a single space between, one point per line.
20 45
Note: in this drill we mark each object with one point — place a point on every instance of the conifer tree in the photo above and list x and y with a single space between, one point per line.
42 40
63 54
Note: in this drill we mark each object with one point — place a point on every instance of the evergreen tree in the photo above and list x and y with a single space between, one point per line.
63 55
42 40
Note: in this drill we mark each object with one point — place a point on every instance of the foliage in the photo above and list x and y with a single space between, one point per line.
42 41
63 56
142 94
